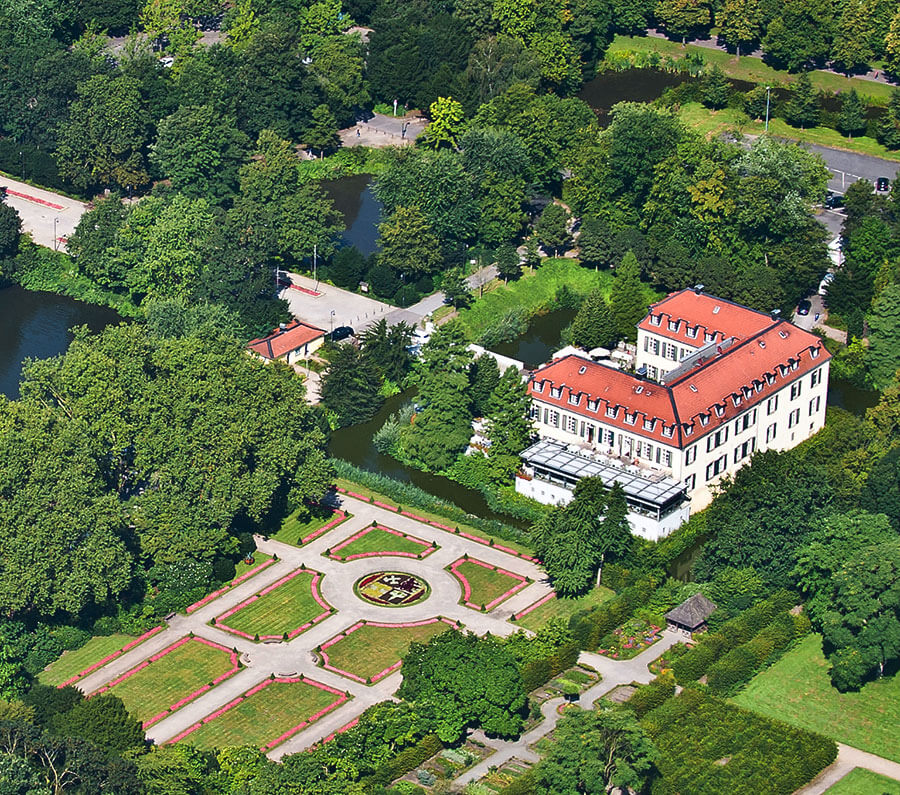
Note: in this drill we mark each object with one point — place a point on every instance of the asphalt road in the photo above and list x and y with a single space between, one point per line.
847 167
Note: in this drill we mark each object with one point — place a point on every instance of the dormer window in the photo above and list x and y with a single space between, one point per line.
720 411
736 399
770 378
611 411
630 419
814 352
555 391
707 337
574 398
673 325
592 404
668 431
758 385
537 386
648 425
704 420
794 364
655 320
691 332
688 429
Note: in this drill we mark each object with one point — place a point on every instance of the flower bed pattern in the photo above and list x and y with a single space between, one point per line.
424 548
630 639
327 664
391 588
468 587
228 586
254 693
448 528
235 667
292 632
109 657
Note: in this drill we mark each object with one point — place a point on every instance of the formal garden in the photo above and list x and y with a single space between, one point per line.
266 715
379 540
485 586
281 611
629 640
368 651
173 677
307 523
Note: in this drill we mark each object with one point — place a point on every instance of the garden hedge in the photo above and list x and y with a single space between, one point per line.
523 785
408 759
537 673
650 696
588 627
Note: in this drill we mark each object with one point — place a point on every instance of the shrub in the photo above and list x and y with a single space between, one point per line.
106 625
512 324
408 759
588 627
70 638
523 785
223 570
648 697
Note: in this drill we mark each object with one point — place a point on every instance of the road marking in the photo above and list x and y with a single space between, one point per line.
34 199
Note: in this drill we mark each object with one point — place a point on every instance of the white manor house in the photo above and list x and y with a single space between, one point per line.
716 382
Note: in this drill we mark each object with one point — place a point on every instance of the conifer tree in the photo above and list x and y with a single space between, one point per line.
803 109
852 120
509 423
627 302
350 386
484 375
594 326
715 88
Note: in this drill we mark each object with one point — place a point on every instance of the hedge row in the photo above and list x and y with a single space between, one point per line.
726 675
709 746
691 666
650 696
408 759
588 627
523 785
537 673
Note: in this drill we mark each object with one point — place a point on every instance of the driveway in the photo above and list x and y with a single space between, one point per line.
328 307
848 167
48 217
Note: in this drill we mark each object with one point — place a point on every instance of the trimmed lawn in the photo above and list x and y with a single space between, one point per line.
156 688
486 584
264 716
302 522
754 70
240 569
283 609
377 539
74 662
864 782
372 649
563 608
797 690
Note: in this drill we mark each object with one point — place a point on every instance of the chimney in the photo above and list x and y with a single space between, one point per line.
282 326
775 313
698 288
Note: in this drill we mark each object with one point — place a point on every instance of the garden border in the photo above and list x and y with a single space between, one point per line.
429 546
228 586
534 606
314 586
340 518
340 701
467 588
109 657
235 667
359 625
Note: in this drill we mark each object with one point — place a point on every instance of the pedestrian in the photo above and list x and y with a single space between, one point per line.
357 132
816 319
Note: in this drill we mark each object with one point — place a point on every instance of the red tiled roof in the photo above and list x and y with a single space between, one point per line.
716 316
282 341
765 359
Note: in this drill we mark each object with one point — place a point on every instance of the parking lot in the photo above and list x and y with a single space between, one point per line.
332 307
48 217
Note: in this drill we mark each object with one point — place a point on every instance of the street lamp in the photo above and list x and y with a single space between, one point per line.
55 236
22 155
331 328
768 90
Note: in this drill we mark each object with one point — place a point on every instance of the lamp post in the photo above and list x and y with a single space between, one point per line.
55 236
331 328
768 91
22 155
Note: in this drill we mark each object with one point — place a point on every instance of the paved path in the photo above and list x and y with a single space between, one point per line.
381 131
613 673
296 656
847 759
45 215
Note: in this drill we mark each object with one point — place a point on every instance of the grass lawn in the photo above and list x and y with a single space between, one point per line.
864 782
74 662
302 522
377 539
486 584
371 649
240 569
713 122
797 690
534 292
174 676
563 608
752 69
281 610
364 491
264 716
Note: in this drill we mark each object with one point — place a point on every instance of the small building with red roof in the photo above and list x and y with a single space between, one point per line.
715 382
291 342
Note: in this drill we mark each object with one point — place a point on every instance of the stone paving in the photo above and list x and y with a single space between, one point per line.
297 656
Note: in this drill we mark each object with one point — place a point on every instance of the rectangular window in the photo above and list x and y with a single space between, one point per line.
546 417
772 405
793 418
716 439
816 378
581 432
611 412
555 391
537 386
795 389
554 419
630 419
814 405
654 347
716 467
573 424
648 425
771 431
535 414
745 421
574 399
743 450
690 454
666 458
692 332
609 437
690 482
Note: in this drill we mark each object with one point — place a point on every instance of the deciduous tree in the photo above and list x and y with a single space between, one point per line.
740 22
594 326
408 243
350 386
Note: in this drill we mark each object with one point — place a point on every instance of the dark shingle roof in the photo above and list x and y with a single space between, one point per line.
692 612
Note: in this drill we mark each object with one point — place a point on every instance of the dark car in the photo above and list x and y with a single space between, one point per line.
833 201
803 307
341 333
881 184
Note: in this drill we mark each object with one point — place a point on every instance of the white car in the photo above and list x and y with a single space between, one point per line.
823 285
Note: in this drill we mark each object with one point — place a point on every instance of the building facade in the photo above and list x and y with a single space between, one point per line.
292 342
717 382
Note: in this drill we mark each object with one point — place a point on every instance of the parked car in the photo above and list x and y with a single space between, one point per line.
834 201
827 279
341 333
882 184
803 307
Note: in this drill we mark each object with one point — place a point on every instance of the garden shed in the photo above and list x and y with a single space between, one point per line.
690 616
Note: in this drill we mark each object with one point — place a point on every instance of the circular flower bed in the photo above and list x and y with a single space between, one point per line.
391 589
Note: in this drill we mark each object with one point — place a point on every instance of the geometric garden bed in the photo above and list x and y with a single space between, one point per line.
485 586
377 540
285 608
172 677
264 716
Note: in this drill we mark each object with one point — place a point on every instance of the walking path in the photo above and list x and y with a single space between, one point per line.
848 758
50 218
336 587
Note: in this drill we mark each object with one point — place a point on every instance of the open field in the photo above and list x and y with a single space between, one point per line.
752 69
797 690
380 541
281 608
265 715
483 584
304 522
864 782
563 608
714 122
371 651
74 662
172 677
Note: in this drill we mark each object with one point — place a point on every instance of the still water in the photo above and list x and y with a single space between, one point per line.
354 199
36 325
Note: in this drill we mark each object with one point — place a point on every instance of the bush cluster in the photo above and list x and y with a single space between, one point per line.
536 673
650 696
408 759
588 627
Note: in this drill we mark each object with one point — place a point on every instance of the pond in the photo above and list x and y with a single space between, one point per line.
36 325
354 199
540 341
632 85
